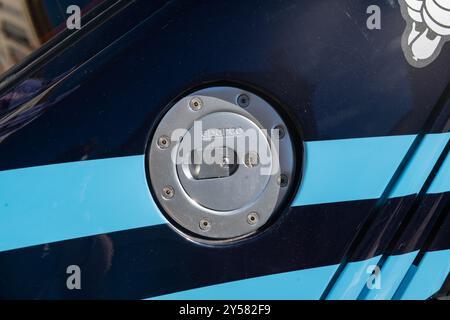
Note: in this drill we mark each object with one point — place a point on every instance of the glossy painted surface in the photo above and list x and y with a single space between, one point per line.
119 93
100 98
96 193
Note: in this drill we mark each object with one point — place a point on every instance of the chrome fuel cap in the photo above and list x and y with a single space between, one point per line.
221 162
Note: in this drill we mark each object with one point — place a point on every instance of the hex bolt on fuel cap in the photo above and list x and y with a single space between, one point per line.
221 163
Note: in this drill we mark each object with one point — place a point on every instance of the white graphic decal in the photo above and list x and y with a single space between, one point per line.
427 29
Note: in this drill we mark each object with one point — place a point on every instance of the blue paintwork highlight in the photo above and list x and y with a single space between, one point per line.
78 199
305 284
392 273
420 166
426 279
309 283
359 169
65 201
352 280
71 200
441 182
350 169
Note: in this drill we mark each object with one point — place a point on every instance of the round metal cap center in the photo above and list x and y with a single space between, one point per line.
220 161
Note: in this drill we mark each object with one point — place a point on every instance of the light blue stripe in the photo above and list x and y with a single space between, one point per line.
405 282
58 202
352 280
351 169
420 166
425 281
441 182
305 284
309 284
360 169
428 276
64 201
392 274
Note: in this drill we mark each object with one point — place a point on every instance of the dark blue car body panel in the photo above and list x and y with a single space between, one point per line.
102 91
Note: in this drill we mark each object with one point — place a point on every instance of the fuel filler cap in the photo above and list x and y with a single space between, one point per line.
221 162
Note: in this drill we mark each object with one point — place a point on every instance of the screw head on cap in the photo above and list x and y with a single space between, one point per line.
279 132
168 192
252 218
205 225
164 142
283 180
196 104
243 100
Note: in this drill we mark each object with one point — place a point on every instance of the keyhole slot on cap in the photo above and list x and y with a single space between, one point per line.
223 163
